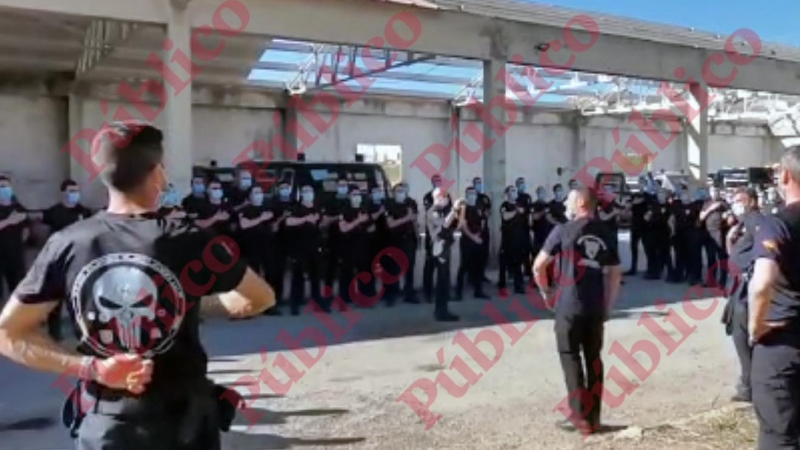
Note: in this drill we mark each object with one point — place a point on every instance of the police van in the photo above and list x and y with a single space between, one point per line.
322 176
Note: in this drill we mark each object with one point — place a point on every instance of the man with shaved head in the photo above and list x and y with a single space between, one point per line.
587 280
774 319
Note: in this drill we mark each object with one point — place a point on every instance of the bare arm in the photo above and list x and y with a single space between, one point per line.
540 270
251 297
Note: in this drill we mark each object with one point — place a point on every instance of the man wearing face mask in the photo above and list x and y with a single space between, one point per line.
656 238
695 238
353 225
378 233
257 241
281 210
584 250
215 214
196 201
141 366
484 203
58 217
556 210
304 249
429 266
441 223
739 242
525 201
640 204
539 224
170 207
332 249
239 194
513 234
774 315
471 223
712 216
14 228
608 211
401 219
680 215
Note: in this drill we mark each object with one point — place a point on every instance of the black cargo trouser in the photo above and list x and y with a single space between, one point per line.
636 239
304 265
408 245
694 255
111 432
469 266
776 390
441 266
717 258
741 341
511 260
579 340
12 271
356 260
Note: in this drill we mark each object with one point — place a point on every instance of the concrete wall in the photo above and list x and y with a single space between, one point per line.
33 129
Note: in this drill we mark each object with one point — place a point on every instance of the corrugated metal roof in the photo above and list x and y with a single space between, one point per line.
416 3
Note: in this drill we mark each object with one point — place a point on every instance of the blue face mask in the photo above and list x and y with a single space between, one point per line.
245 183
355 201
512 195
6 193
479 187
540 195
308 197
377 197
169 199
341 191
73 198
257 199
216 194
284 193
471 199
198 188
400 197
559 195
521 187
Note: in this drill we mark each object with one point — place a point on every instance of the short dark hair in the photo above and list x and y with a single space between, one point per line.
67 184
129 151
751 193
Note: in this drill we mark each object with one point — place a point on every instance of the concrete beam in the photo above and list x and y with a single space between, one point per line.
147 11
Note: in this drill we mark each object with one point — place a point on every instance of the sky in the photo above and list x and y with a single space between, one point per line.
773 20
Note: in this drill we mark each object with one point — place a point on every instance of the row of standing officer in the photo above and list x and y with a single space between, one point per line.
320 242
15 229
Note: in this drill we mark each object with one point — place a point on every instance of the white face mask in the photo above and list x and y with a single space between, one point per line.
738 209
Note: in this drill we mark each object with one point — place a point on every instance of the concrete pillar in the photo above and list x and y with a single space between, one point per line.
179 158
578 156
494 155
289 132
697 134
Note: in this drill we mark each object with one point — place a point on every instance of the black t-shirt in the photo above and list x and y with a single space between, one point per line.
741 252
208 210
237 198
304 238
333 209
582 248
397 211
193 205
11 235
659 215
356 236
777 240
540 226
484 203
134 282
640 203
609 213
557 210
59 216
518 225
255 238
524 200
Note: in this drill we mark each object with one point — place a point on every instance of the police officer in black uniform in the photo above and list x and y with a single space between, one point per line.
215 214
256 238
332 249
59 216
170 204
608 212
513 235
584 250
401 220
196 201
695 239
441 222
281 208
143 372
774 319
657 237
239 194
739 241
353 223
525 201
640 203
471 222
378 233
305 238
539 224
556 210
713 216
484 203
680 215
14 229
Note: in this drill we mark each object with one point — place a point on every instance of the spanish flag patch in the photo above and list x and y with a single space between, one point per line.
770 245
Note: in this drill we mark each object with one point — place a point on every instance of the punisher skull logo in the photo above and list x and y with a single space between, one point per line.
122 301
